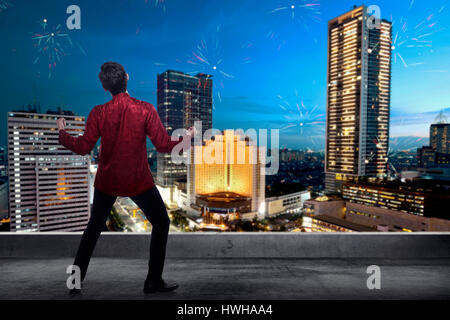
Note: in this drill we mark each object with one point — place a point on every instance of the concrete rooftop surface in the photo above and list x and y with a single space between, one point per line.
253 266
231 278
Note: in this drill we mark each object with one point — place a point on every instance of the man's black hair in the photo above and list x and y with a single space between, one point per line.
113 77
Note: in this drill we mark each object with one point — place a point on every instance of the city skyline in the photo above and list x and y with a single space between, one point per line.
261 60
359 59
298 149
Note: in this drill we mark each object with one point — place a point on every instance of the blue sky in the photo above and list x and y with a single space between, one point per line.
266 60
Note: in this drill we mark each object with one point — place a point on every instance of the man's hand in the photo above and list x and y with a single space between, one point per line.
192 131
61 122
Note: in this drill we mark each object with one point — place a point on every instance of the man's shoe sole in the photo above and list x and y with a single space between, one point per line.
75 291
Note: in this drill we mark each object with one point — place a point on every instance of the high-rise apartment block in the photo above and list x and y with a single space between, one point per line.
358 98
437 154
440 137
182 100
48 184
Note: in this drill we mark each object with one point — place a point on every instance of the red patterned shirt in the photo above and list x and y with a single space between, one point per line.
123 125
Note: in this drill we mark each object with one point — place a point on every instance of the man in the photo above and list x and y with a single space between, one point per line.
123 124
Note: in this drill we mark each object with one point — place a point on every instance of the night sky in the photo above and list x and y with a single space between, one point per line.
268 61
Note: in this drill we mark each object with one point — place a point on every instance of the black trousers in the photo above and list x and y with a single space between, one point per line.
151 203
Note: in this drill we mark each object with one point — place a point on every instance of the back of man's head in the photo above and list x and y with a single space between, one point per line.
113 77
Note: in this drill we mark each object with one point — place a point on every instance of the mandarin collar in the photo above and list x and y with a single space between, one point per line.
121 95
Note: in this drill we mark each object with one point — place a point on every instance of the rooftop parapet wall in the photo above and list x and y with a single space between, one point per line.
235 245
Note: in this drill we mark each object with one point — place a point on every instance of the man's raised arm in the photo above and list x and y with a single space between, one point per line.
155 130
81 145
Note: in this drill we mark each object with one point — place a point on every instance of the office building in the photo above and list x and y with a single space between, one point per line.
380 210
286 204
437 154
182 100
440 137
3 162
48 184
325 205
324 223
418 200
426 157
358 98
3 155
4 214
383 219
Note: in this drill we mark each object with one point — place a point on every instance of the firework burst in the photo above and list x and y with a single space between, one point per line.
159 4
208 58
379 142
300 11
4 5
272 35
52 45
310 122
407 36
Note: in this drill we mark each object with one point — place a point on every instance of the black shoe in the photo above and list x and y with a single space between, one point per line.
160 286
75 290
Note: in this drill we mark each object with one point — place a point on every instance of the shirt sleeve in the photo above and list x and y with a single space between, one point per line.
82 145
158 135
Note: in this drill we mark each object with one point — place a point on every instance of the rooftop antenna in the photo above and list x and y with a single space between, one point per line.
36 99
441 118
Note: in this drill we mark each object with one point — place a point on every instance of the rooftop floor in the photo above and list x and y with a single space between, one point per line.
231 278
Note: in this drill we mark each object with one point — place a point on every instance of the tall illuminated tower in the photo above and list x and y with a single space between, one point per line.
182 100
358 98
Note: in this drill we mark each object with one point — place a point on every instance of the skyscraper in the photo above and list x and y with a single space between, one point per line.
440 137
182 100
437 154
48 184
358 98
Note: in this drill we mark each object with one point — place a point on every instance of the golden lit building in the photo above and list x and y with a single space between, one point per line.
226 179
358 98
